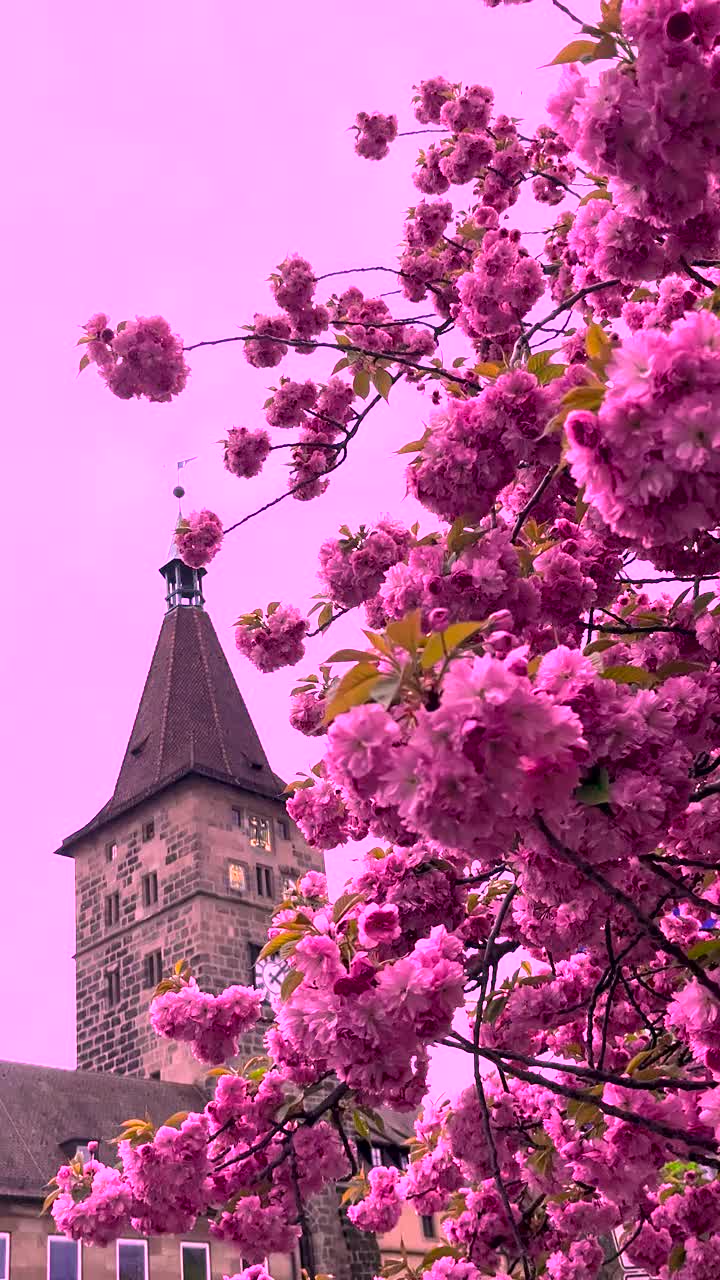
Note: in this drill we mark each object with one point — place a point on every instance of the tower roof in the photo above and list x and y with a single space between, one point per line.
192 719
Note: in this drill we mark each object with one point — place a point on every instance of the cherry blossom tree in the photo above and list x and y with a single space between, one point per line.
529 726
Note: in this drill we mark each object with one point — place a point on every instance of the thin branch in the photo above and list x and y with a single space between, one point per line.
533 500
695 275
664 944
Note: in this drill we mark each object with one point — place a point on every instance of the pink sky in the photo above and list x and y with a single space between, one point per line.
165 157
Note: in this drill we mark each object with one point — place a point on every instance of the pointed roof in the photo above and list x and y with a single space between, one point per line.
192 719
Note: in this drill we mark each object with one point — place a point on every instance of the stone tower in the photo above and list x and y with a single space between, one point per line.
187 858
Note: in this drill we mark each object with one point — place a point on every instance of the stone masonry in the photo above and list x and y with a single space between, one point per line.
200 831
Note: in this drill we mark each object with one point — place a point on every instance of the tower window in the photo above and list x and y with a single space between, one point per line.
259 831
150 889
112 909
254 951
132 1260
264 881
237 818
111 851
4 1255
148 830
63 1258
377 1156
428 1226
237 877
283 827
152 968
195 1261
112 986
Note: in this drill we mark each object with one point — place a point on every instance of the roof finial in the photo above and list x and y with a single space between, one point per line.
183 582
178 491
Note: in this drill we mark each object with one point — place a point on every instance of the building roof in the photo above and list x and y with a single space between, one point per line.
43 1107
192 719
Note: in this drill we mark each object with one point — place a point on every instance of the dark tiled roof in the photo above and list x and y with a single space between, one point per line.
191 719
43 1107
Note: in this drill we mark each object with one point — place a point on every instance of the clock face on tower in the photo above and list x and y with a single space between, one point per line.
270 974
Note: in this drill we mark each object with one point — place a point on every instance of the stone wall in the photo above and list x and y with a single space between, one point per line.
198 916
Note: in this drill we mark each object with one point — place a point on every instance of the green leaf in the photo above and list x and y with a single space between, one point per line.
581 506
550 373
588 397
406 632
628 674
341 364
325 616
599 194
596 341
442 1251
385 690
349 655
176 1119
416 446
215 1072
441 643
382 381
494 1008
538 361
83 363
599 646
576 51
345 903
290 983
677 668
361 384
49 1200
701 950
676 1258
362 1128
700 603
597 792
353 689
273 945
487 369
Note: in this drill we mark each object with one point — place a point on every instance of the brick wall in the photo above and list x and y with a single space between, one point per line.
198 915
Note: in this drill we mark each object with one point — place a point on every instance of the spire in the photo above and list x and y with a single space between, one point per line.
192 718
184 585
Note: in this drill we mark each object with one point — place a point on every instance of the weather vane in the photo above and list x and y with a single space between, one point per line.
178 491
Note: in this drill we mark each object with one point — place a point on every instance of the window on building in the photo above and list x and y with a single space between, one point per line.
237 877
283 827
288 885
154 1075
254 951
259 831
237 818
132 1260
111 851
264 881
427 1221
4 1255
195 1261
377 1156
112 986
63 1259
152 968
148 830
150 889
112 909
